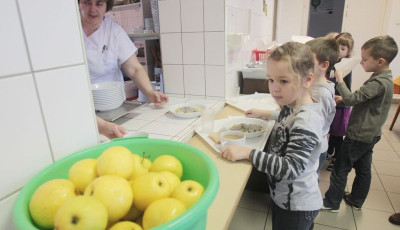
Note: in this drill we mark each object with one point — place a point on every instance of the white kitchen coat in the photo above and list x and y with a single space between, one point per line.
106 50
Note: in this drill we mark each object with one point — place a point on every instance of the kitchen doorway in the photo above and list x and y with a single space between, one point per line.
325 16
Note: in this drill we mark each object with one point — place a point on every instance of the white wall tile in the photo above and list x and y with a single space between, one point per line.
215 81
214 15
173 79
13 56
6 206
214 48
170 16
194 79
193 48
68 110
171 48
53 37
192 15
231 81
24 146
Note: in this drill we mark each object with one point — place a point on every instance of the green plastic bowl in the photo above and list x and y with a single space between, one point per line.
196 166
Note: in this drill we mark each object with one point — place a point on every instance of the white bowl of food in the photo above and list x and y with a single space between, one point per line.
252 127
187 110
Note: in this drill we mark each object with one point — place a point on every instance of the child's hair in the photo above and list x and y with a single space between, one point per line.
325 49
331 35
345 39
299 58
382 47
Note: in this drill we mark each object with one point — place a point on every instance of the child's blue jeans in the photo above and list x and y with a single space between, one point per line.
355 154
293 220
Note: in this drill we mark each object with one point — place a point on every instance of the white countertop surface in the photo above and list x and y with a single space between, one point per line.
159 123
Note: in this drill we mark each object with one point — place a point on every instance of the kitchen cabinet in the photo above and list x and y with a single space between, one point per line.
131 17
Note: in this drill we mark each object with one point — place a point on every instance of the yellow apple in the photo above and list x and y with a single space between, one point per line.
172 179
162 211
138 166
148 188
114 192
126 225
48 198
81 212
188 191
116 160
146 163
167 163
82 173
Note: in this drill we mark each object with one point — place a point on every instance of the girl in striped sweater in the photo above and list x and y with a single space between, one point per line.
292 155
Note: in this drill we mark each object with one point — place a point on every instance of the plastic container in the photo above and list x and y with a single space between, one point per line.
196 166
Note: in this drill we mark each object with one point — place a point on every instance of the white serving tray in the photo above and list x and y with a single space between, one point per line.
258 100
256 142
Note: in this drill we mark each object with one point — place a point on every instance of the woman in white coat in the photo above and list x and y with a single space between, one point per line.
108 49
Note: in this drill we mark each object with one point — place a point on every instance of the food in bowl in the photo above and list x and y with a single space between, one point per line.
187 109
247 127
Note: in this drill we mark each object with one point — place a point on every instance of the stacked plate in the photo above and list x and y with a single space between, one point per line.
154 13
107 95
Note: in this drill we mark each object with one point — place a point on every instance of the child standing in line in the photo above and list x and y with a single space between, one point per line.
371 104
339 123
292 156
326 54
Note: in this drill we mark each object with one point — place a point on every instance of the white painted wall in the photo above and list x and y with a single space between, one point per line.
46 109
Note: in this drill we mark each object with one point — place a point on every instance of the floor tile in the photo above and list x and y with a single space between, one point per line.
395 200
387 168
244 218
391 183
343 219
384 144
255 201
384 155
324 227
368 219
268 225
378 200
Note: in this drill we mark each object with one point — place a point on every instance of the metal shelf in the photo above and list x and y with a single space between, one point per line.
144 37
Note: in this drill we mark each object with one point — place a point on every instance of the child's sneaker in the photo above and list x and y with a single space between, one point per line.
347 200
329 209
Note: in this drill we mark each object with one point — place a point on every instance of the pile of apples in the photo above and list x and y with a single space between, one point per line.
118 190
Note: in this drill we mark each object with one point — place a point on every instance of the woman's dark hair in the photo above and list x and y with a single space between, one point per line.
109 4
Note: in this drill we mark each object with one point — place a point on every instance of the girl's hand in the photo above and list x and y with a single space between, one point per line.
235 152
258 113
339 75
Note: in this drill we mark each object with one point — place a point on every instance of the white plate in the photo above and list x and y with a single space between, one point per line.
173 109
258 100
256 143
246 120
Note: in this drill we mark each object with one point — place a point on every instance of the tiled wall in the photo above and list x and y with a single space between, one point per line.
205 42
46 111
193 47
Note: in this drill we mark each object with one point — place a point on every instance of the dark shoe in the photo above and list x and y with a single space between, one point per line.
395 219
330 167
347 200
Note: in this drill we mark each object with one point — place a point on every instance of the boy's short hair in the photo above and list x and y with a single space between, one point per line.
325 49
382 47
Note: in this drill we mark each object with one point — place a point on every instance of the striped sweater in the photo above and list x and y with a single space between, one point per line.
292 158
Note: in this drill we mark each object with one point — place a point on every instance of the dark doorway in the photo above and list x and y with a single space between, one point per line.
325 16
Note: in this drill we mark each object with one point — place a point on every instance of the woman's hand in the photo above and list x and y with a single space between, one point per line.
158 98
258 113
110 130
235 152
